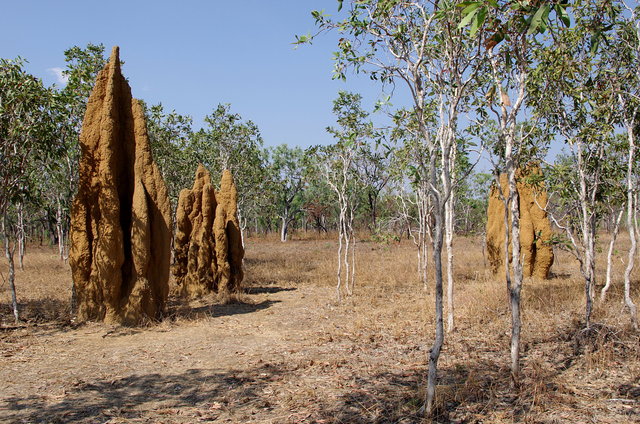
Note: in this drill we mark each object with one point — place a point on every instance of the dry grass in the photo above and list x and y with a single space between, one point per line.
286 352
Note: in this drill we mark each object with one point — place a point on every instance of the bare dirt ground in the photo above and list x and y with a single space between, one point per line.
287 352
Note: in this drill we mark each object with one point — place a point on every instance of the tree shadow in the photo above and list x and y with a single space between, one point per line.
55 312
214 309
195 395
203 395
37 311
236 308
266 289
386 397
472 391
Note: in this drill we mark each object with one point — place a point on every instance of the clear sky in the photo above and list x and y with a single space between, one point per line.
192 55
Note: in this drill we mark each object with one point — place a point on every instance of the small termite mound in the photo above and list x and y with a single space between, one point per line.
228 200
208 246
121 215
535 228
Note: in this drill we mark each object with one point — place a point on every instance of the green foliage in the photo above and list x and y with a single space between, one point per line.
169 135
287 178
385 238
83 65
510 18
29 133
229 142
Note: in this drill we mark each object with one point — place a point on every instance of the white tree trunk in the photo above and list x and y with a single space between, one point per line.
516 265
60 232
353 252
242 227
587 264
284 229
21 235
423 228
612 243
449 224
631 223
340 238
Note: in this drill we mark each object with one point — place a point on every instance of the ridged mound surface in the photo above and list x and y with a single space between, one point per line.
121 216
535 228
208 246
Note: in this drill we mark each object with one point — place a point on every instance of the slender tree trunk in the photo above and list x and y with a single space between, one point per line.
423 225
631 215
588 236
516 266
353 252
8 253
12 282
347 267
439 208
507 238
449 153
284 229
588 271
21 235
616 229
434 354
241 225
60 231
374 212
484 249
340 237
449 245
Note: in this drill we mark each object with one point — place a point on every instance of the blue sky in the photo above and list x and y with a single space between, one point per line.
192 55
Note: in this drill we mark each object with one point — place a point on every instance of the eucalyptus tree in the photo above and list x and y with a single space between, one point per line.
623 59
339 170
83 65
319 202
511 36
286 170
373 165
169 135
28 139
412 162
417 45
578 104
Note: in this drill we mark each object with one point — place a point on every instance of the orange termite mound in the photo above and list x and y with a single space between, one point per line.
208 245
121 216
535 228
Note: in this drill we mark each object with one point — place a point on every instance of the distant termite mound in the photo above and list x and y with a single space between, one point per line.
208 246
535 228
121 216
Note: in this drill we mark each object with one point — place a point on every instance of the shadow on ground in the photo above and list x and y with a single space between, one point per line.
37 311
260 394
206 395
267 289
194 394
178 309
286 392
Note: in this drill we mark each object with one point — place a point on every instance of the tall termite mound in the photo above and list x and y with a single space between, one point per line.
535 228
121 216
208 246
